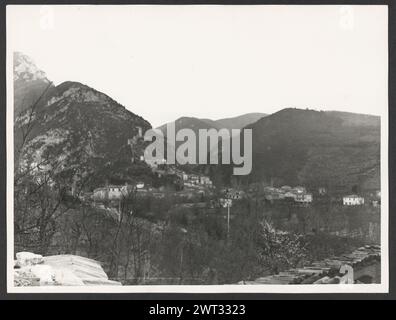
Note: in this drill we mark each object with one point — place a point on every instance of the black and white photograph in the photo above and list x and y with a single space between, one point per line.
197 148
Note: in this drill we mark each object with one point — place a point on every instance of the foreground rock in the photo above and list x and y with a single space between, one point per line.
24 259
59 270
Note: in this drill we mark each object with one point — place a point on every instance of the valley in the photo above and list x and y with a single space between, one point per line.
83 187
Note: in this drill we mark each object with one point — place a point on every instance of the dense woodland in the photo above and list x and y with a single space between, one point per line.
154 240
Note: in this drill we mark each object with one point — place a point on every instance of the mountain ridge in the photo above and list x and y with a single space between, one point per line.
296 146
83 132
237 122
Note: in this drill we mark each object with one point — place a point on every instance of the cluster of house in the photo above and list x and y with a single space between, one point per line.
298 194
198 182
352 200
357 200
115 192
194 180
119 192
233 194
188 180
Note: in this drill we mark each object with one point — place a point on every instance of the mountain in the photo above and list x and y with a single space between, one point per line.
356 119
334 149
195 124
190 123
337 150
30 83
80 133
238 122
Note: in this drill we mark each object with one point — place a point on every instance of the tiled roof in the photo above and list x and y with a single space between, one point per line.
325 271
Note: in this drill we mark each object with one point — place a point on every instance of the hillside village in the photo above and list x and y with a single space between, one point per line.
195 183
83 189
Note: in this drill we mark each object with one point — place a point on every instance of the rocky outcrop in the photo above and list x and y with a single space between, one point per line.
74 131
30 83
59 270
24 259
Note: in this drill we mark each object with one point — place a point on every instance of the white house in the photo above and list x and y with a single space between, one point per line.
140 185
205 180
110 192
303 198
353 200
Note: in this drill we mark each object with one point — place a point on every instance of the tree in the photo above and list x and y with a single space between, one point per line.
38 193
279 250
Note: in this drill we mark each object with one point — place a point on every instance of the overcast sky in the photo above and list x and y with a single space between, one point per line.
164 62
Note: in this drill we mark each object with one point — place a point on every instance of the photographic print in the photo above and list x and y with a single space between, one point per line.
205 148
